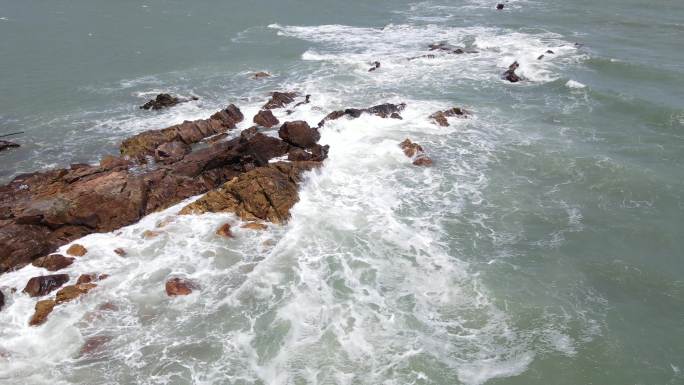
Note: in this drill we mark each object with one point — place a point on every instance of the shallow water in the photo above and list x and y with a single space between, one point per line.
543 247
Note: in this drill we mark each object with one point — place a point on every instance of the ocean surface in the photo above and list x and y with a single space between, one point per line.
545 246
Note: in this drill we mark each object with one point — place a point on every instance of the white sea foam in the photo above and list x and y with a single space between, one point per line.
574 84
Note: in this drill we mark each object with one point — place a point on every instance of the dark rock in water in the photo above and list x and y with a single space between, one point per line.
386 110
5 145
510 74
443 47
440 117
179 286
42 310
307 100
550 52
265 118
43 285
279 100
91 277
316 153
428 56
172 150
2 300
540 57
120 252
298 133
261 75
164 101
53 262
415 152
500 6
146 143
458 51
375 66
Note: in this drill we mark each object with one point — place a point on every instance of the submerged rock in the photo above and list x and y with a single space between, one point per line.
385 110
298 133
500 6
375 66
415 152
120 252
224 231
510 74
164 101
266 193
53 262
94 345
254 226
179 286
44 285
42 310
77 250
265 118
440 117
279 100
4 144
261 75
91 277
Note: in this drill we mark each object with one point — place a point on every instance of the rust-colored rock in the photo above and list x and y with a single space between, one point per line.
120 252
179 286
53 262
440 117
298 133
174 150
77 250
42 310
94 345
279 100
415 151
45 284
91 277
149 234
224 231
265 118
109 162
266 193
71 292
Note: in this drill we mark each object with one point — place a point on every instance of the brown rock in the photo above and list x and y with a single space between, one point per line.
42 310
92 277
440 117
149 234
416 152
77 250
53 262
179 286
510 74
298 133
5 145
71 292
43 285
174 150
279 100
261 75
120 252
110 162
254 226
224 231
317 153
266 193
160 102
94 345
266 119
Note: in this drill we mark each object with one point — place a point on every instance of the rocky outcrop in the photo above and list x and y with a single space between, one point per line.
40 212
440 117
44 285
179 286
298 133
265 193
148 143
510 74
387 110
317 153
279 100
416 153
4 144
265 118
71 292
53 262
164 101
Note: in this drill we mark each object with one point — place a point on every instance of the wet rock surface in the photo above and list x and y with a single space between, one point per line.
265 118
298 133
53 262
71 292
44 285
2 300
77 250
42 310
510 74
415 152
279 100
386 110
440 117
179 286
164 101
261 75
91 277
4 144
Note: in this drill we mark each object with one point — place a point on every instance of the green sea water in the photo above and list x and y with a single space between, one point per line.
545 245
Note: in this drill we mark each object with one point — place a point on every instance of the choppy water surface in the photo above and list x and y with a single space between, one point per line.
543 247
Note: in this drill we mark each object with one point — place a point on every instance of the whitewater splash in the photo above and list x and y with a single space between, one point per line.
362 285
